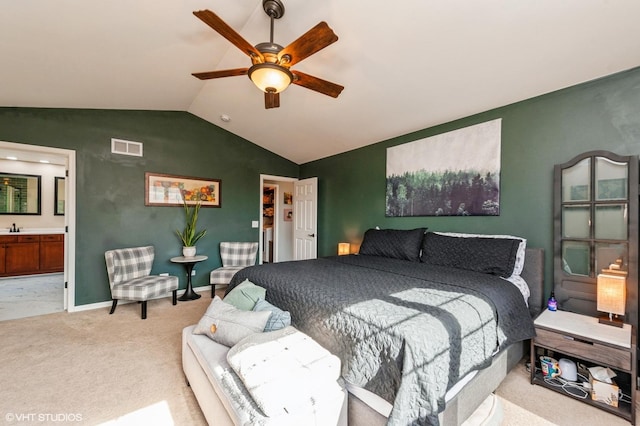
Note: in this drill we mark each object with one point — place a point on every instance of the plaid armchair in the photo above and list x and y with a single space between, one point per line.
235 256
129 278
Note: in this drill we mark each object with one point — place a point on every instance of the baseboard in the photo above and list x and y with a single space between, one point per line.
107 304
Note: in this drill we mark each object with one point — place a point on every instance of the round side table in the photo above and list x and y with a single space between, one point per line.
189 263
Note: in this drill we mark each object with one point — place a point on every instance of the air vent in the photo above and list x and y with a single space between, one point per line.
120 146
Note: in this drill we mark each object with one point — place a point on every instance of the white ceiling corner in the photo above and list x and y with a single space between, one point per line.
405 65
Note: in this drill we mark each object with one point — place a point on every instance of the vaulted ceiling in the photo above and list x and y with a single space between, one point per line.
405 65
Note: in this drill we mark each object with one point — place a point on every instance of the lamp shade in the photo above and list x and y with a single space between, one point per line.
611 294
270 77
344 248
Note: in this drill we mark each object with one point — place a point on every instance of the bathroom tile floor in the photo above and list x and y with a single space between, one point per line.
31 295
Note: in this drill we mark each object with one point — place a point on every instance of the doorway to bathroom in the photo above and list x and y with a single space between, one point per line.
26 293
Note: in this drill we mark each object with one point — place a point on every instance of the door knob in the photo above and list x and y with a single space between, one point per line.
311 235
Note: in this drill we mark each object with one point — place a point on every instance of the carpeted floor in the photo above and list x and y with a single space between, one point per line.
98 367
548 407
93 368
515 415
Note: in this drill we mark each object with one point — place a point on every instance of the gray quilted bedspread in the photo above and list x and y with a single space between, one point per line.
404 330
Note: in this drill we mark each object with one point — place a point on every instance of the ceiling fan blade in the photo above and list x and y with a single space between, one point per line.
222 73
319 85
214 21
271 100
315 39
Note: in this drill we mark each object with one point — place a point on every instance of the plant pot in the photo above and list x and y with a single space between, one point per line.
189 251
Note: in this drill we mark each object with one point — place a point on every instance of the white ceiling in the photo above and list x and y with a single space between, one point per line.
405 65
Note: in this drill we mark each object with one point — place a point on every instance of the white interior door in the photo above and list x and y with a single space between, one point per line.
305 219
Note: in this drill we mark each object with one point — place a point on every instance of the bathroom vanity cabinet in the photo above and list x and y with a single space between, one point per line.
31 254
51 253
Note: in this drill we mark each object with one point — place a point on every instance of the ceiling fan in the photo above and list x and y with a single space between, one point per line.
270 70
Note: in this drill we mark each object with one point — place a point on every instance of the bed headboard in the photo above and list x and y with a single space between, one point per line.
533 274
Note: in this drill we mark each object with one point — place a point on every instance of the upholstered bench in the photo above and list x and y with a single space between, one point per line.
225 400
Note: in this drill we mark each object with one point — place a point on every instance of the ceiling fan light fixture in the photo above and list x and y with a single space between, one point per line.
271 62
269 77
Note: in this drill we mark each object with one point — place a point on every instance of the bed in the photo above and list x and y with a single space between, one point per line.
413 317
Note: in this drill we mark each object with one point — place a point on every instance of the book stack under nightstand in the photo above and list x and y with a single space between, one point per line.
583 340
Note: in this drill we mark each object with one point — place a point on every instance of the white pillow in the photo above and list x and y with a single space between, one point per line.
227 325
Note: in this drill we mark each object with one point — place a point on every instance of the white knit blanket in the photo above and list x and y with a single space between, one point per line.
285 371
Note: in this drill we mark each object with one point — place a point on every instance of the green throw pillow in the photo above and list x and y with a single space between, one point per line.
245 295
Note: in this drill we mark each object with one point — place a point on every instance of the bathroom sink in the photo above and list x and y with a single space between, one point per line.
32 231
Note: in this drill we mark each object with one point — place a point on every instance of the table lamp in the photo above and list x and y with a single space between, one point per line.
344 249
611 298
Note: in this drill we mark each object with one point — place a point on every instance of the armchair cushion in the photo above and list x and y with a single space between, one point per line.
129 263
238 254
145 288
223 275
235 256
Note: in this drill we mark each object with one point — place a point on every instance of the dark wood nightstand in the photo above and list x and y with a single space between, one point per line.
582 339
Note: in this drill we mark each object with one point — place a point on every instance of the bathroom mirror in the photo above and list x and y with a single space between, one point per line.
58 208
19 194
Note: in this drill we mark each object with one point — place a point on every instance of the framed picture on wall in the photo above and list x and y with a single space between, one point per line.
169 190
288 198
59 196
288 215
450 174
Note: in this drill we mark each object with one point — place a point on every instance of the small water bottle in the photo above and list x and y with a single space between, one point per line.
552 303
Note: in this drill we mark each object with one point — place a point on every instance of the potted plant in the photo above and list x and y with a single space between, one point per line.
189 236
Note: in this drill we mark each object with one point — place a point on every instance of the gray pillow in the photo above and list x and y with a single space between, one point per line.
279 319
393 243
225 324
495 256
245 295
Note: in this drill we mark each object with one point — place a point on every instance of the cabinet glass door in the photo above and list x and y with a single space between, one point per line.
575 258
611 221
611 180
594 219
576 221
595 228
576 182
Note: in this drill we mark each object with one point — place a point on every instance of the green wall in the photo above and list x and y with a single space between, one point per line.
536 134
110 188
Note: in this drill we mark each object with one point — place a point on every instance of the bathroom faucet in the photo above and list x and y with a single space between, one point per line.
14 229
